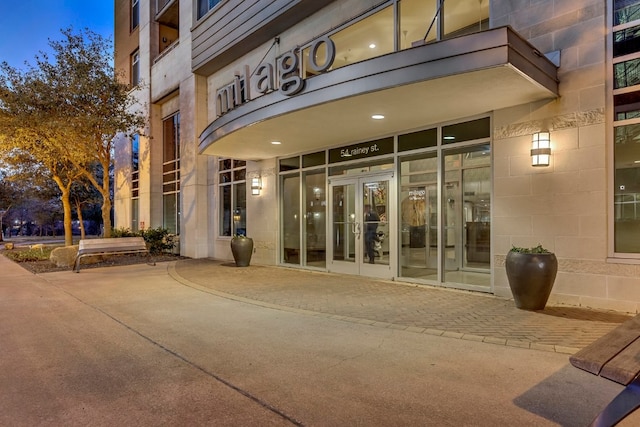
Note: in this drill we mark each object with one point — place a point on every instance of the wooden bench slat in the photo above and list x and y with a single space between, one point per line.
596 355
624 367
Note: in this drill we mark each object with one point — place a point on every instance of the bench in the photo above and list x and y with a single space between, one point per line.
111 246
615 356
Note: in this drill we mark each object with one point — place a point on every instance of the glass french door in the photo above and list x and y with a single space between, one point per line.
362 230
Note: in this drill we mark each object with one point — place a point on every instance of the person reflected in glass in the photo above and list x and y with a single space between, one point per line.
371 220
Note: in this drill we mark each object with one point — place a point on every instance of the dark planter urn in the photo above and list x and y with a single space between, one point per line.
531 278
242 249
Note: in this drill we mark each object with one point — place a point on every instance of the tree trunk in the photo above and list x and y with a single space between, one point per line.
106 216
80 220
66 209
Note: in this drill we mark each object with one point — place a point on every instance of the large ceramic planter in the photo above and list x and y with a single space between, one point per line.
242 249
531 278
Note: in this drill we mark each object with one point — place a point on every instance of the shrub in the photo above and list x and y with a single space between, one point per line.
124 232
535 250
29 255
158 239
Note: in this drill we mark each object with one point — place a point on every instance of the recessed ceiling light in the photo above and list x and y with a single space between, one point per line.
372 46
377 117
276 142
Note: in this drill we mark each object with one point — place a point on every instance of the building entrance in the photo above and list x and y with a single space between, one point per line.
362 236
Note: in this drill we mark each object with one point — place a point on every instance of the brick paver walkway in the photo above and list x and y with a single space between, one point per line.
421 309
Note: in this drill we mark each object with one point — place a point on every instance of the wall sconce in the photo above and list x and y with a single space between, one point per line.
256 186
540 149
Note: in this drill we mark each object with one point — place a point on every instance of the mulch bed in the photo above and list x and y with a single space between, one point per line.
46 266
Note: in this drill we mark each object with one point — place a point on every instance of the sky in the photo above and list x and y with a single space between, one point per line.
27 25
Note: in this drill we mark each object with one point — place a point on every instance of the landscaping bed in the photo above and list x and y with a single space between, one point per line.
37 260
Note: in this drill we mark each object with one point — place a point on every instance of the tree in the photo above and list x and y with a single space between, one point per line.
64 114
99 106
83 196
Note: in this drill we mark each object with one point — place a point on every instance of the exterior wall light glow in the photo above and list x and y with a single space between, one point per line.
540 149
256 186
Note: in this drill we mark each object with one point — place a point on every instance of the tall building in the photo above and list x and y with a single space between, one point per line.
467 126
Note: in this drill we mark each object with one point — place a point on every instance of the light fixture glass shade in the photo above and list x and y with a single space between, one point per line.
540 149
256 186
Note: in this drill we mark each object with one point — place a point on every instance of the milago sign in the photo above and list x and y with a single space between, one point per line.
284 75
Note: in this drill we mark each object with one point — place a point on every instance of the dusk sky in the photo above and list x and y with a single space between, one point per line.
27 25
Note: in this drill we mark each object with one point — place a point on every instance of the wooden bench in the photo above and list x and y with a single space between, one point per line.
111 246
615 356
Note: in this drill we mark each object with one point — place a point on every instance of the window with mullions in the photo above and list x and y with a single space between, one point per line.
232 185
627 189
135 180
171 174
625 11
135 14
304 209
626 73
135 68
205 6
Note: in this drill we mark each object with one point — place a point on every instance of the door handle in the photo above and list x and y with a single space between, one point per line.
356 229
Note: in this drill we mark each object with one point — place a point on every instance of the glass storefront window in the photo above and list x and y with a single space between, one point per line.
370 37
315 218
314 159
466 131
465 17
233 197
442 213
466 216
291 219
416 16
290 163
419 217
416 140
627 189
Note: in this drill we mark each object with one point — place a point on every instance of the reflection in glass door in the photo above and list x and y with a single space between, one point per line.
361 238
467 216
445 231
345 229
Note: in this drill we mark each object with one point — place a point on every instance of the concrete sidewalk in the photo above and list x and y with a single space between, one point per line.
201 342
421 309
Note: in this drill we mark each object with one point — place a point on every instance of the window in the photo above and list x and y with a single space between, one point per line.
135 180
625 56
135 151
205 6
232 184
171 174
135 214
135 14
135 155
303 205
135 68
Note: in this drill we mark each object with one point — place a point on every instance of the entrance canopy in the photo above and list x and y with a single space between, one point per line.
412 88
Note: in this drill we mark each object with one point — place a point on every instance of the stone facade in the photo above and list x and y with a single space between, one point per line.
565 206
